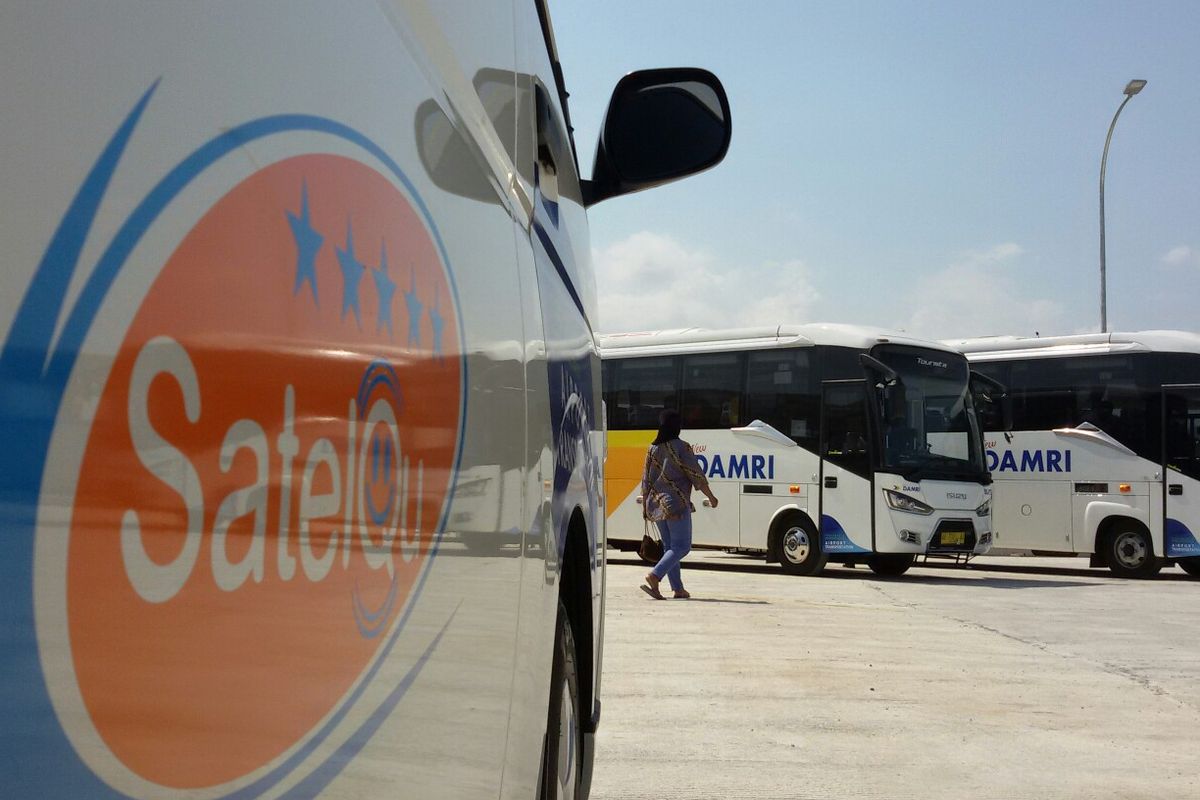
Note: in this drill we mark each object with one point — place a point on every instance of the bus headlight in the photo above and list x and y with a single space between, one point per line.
984 508
902 502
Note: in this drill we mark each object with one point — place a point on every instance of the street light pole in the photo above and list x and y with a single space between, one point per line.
1131 88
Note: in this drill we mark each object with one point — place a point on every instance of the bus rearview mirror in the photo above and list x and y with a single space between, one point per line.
993 392
661 125
890 376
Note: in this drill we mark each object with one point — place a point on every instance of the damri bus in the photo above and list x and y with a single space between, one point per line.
300 462
1104 455
822 442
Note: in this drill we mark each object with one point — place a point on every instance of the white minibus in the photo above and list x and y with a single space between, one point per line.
1104 454
300 447
822 442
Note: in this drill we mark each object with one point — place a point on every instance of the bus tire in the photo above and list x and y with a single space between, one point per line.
1130 554
798 546
562 765
1190 565
891 565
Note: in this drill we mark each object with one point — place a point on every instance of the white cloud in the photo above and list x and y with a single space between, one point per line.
1182 256
978 295
649 281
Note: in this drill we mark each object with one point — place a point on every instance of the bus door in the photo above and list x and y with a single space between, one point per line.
845 482
1181 470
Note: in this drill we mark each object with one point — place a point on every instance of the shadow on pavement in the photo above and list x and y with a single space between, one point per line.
974 573
713 566
994 583
1170 574
694 599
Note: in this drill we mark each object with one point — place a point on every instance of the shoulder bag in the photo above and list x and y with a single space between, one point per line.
651 548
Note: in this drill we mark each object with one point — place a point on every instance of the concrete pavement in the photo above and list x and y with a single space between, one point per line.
1053 681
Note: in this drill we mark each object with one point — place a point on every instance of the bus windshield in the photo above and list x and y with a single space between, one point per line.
928 422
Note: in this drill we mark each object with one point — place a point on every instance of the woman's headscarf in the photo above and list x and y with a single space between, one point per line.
669 426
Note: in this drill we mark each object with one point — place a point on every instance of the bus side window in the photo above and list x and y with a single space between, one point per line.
638 390
712 391
1045 400
1183 432
781 391
845 426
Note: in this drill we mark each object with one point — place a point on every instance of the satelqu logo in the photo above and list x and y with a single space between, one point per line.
263 480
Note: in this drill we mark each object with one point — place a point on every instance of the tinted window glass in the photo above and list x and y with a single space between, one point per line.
1117 393
991 415
1041 400
712 391
782 390
928 420
840 363
1183 431
607 371
845 427
1166 368
638 389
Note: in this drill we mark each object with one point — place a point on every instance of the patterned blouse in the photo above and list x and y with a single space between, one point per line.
671 473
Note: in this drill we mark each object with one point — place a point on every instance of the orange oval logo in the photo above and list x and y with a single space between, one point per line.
264 478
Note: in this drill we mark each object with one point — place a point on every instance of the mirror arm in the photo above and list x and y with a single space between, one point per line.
591 194
1000 390
889 375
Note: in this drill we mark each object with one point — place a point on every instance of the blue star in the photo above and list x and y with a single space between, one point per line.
352 272
414 312
308 243
435 319
386 289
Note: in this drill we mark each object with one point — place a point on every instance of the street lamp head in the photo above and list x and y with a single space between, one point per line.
1134 86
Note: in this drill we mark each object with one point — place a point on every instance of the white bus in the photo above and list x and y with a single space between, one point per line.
1104 455
821 442
300 456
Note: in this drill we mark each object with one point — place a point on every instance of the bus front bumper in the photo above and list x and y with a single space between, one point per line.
955 536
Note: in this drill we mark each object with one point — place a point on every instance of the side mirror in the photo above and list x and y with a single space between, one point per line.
992 392
661 125
888 375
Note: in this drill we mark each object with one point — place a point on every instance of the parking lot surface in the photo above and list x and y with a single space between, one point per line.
1014 678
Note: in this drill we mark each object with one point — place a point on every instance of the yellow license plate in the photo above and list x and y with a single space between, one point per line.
954 537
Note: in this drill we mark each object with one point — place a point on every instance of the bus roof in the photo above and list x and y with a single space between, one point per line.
691 340
998 348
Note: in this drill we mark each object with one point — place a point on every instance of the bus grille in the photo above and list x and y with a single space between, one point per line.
953 535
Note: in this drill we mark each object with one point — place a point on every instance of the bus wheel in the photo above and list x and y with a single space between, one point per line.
890 565
1130 554
1190 565
798 547
562 773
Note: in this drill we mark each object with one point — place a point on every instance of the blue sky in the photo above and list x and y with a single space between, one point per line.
932 167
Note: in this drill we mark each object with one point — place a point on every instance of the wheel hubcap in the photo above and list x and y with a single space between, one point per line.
567 746
796 545
1130 549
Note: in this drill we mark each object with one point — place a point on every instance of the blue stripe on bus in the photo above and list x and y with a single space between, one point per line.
1181 542
834 538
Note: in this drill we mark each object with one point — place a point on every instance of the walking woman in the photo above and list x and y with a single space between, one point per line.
671 473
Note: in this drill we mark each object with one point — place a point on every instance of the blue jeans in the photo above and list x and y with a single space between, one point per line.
677 542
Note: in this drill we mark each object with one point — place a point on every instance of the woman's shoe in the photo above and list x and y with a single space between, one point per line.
652 591
682 594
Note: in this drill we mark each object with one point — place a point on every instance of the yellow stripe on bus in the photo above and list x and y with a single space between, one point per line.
623 469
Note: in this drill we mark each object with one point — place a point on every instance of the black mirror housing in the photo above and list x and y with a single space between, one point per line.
993 392
890 376
661 125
